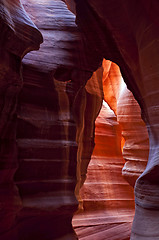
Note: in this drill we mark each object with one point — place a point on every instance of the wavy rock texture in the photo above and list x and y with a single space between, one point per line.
53 152
106 165
54 135
46 128
127 33
112 84
15 42
86 127
105 193
135 142
108 200
136 147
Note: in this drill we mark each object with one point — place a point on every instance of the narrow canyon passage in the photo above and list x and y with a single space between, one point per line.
108 199
56 67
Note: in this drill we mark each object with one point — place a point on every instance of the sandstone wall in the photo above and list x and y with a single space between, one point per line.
18 36
127 34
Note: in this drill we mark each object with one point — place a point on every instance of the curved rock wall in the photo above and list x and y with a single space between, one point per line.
18 36
86 127
135 142
105 192
108 200
52 116
46 132
136 147
54 135
127 33
105 188
112 84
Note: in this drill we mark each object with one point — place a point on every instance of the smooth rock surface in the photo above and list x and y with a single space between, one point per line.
18 36
108 200
126 32
55 137
134 131
135 141
53 125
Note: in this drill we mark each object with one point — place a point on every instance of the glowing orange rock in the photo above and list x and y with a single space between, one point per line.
135 137
134 131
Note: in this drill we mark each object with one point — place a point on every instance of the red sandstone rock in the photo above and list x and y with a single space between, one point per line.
135 143
71 5
127 33
105 188
108 200
48 114
86 126
52 120
112 81
117 31
18 36
46 132
136 147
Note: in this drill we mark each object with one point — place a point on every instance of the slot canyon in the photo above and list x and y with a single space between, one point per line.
79 120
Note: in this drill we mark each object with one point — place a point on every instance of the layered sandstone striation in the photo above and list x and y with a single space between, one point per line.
120 136
54 135
108 200
46 131
47 120
105 187
93 92
127 33
18 36
134 142
54 132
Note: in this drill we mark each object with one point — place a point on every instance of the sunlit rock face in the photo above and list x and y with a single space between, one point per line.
136 146
108 200
105 187
112 84
135 143
55 138
127 33
18 36
120 136
93 92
